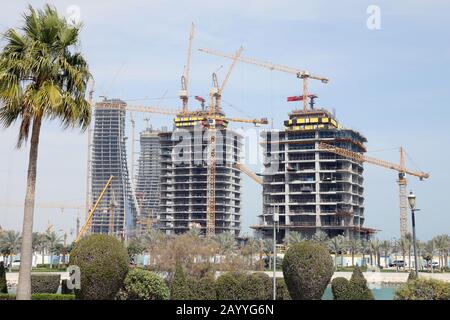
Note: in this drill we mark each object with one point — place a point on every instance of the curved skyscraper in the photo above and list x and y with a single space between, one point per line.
116 213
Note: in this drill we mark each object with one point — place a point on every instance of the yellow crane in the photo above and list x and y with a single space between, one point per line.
400 168
86 224
248 172
304 75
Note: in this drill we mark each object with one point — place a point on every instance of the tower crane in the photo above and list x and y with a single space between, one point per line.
400 168
184 93
304 75
214 109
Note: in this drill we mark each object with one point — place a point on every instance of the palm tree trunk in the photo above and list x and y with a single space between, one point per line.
26 252
353 258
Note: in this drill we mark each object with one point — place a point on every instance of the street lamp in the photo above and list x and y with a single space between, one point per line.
412 206
275 219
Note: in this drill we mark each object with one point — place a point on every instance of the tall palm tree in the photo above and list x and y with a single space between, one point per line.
41 77
10 244
336 245
252 247
53 243
364 250
385 247
293 238
354 245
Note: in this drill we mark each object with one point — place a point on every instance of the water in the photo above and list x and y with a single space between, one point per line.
383 293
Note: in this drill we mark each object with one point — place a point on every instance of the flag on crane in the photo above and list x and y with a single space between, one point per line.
300 98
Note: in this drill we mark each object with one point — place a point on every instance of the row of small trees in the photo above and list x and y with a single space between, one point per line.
49 242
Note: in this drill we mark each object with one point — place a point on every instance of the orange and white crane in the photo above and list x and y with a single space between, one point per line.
400 168
301 74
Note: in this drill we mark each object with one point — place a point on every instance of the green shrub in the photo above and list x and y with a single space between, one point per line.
103 263
412 276
3 283
144 285
45 283
5 296
282 290
340 287
180 287
358 286
307 270
423 289
256 286
229 286
203 288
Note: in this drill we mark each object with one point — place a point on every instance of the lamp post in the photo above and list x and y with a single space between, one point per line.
412 206
275 219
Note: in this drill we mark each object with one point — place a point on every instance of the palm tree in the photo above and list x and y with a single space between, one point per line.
320 237
336 245
10 244
404 246
409 238
428 253
364 250
252 245
375 250
38 243
442 243
53 241
41 76
385 247
226 242
293 237
354 245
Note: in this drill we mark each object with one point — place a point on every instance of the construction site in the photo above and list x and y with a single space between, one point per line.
190 176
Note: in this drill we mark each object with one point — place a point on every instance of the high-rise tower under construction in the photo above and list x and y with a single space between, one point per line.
184 177
116 213
309 188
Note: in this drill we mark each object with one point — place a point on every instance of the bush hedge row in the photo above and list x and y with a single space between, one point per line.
45 283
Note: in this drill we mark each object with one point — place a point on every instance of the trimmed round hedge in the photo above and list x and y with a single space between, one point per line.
103 263
145 285
423 289
340 287
307 270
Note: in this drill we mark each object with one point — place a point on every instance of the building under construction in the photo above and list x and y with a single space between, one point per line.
184 177
312 189
148 176
116 213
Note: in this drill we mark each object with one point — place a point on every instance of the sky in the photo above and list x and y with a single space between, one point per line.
388 80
